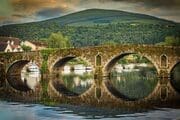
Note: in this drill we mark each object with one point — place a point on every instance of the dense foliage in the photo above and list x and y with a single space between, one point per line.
26 48
57 40
95 27
171 40
45 54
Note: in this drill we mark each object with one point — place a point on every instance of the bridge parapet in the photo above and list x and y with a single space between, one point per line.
103 59
9 58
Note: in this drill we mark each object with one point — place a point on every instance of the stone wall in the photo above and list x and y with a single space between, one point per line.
102 59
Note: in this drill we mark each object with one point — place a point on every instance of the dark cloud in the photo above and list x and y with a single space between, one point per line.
31 6
167 9
160 3
49 12
33 10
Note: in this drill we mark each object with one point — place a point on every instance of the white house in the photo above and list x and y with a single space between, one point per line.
10 44
35 45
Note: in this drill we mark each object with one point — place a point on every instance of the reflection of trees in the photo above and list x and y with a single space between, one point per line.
136 81
135 84
68 81
77 83
30 79
2 75
147 71
176 77
86 76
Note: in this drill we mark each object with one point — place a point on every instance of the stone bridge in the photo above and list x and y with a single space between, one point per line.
102 59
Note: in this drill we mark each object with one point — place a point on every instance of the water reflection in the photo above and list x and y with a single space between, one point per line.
31 76
134 81
175 77
78 80
19 111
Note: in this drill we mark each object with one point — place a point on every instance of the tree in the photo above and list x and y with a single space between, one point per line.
57 40
26 48
109 43
171 40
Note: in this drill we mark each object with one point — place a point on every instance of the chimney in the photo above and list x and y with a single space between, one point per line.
8 42
12 42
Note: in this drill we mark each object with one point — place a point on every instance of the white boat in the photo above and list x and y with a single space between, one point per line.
88 68
33 68
67 68
79 67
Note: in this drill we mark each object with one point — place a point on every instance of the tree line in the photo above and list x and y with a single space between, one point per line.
121 33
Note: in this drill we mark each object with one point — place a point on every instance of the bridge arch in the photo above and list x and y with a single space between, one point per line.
13 75
61 57
174 77
62 61
112 89
2 74
113 60
55 68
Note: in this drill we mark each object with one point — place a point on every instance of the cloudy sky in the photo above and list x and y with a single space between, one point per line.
15 11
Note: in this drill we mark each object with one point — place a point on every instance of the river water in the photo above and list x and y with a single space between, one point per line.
19 111
125 81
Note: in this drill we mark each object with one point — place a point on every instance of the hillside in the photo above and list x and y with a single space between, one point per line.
96 26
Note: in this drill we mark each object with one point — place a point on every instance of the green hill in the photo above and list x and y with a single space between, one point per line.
97 26
99 16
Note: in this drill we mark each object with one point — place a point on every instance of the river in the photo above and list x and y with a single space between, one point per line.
20 111
125 81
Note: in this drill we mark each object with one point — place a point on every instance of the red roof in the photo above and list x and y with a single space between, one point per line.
6 39
14 46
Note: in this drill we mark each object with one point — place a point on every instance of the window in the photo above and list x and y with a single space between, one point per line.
98 60
164 61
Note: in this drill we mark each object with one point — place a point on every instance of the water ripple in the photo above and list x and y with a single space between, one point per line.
19 111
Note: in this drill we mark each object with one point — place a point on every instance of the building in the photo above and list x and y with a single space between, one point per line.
4 47
10 44
35 45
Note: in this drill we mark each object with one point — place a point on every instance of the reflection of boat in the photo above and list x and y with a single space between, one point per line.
31 79
131 70
67 68
79 67
34 74
88 68
32 68
79 71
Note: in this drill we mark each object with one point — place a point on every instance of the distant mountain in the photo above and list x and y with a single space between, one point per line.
96 26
